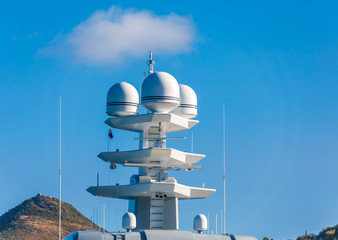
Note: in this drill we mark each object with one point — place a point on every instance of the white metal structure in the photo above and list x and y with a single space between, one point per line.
153 194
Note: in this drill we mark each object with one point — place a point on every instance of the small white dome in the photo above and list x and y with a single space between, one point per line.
122 100
129 221
188 103
200 223
160 92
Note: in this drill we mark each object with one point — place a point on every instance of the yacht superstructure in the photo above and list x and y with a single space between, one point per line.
153 194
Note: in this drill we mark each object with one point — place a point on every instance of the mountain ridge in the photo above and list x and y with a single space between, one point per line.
37 218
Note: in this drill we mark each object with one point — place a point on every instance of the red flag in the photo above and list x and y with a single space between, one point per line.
110 134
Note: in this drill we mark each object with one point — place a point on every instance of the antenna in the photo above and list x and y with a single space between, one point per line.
192 142
208 224
97 218
216 224
94 216
151 63
221 221
104 216
223 167
60 178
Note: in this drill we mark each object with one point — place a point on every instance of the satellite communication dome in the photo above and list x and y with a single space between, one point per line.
200 223
122 100
188 103
129 221
160 92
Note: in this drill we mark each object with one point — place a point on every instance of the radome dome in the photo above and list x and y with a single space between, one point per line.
122 100
160 92
188 103
129 221
200 223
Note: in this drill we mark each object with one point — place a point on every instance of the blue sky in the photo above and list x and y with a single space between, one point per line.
274 64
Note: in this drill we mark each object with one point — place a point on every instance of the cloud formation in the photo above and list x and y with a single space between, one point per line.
109 37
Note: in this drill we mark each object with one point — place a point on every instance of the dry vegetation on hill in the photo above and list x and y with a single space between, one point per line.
37 218
329 233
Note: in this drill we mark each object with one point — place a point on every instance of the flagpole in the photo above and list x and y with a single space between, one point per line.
60 177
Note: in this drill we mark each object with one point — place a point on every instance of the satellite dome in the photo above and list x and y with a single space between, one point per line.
129 221
188 103
122 100
200 223
160 92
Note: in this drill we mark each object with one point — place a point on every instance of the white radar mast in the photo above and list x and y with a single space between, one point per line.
153 193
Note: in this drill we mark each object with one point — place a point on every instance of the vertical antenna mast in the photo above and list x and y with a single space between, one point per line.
221 217
192 142
216 224
60 178
151 63
208 224
104 216
224 168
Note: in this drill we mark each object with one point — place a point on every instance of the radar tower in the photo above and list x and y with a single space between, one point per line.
153 194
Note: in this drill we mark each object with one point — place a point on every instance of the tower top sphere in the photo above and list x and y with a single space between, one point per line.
122 100
160 92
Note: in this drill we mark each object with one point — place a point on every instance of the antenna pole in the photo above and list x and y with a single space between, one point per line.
221 217
192 142
151 63
104 216
60 178
208 224
223 168
216 225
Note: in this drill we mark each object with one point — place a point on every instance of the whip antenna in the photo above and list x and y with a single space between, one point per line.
223 167
60 178
151 63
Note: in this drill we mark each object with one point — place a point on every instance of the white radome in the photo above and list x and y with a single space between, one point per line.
160 92
129 221
188 103
200 223
122 100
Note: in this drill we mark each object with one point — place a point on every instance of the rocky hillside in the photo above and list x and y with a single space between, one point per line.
329 233
37 218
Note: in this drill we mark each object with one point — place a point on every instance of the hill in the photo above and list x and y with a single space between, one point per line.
37 218
329 233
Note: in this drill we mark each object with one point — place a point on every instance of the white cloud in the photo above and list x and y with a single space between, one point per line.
111 36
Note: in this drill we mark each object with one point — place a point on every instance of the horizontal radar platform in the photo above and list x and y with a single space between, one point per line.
137 123
150 189
158 156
